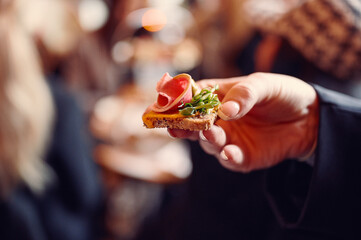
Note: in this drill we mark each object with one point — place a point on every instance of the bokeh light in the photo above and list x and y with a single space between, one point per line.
93 14
154 20
122 51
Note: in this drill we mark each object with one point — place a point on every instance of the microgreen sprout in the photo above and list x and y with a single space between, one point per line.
203 102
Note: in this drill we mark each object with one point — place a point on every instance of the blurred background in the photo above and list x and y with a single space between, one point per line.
107 56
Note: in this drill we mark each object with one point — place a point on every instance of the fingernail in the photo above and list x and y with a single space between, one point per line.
171 135
229 110
224 156
234 154
202 137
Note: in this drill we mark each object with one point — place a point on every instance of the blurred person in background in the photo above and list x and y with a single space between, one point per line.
50 188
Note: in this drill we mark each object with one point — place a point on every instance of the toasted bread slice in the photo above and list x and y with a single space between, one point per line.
196 122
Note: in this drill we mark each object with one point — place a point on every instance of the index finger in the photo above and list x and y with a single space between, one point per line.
224 84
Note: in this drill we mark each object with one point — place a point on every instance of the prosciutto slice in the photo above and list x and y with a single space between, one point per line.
172 92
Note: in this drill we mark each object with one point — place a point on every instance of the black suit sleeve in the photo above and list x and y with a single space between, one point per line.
331 190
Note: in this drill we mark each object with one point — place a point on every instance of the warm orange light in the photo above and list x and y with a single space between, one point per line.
154 20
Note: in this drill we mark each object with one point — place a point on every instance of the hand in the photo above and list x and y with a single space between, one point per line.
265 118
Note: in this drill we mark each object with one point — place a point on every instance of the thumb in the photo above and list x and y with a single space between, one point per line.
238 101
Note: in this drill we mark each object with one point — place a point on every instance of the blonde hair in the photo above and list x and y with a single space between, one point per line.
26 110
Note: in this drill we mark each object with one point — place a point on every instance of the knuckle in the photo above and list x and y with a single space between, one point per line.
245 92
257 75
